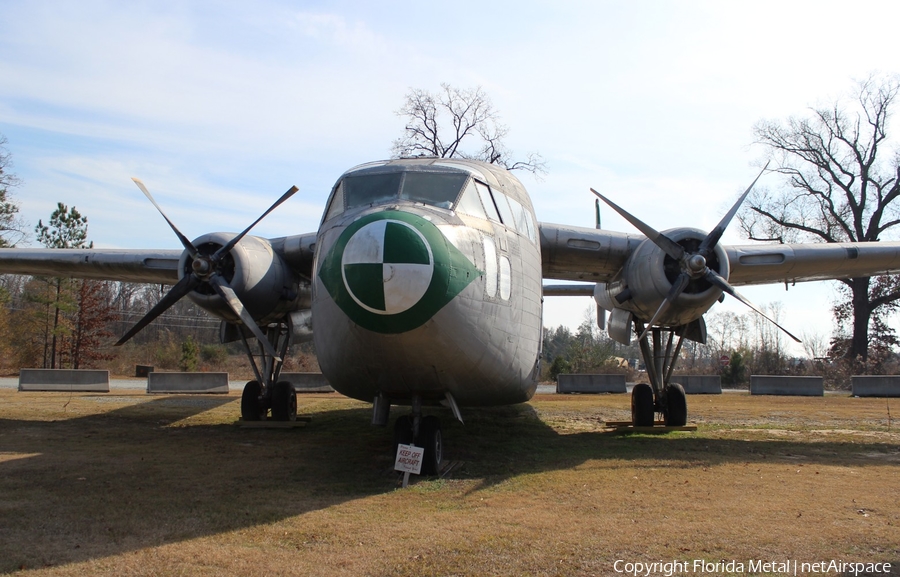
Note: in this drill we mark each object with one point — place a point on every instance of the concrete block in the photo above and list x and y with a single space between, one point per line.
700 384
79 380
184 383
876 385
590 384
787 385
307 382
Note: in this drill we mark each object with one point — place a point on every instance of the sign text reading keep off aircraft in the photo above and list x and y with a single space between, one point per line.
409 459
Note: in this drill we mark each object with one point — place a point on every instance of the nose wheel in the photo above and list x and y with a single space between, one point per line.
421 431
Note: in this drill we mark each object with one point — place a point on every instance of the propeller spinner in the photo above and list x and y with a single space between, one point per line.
692 264
206 268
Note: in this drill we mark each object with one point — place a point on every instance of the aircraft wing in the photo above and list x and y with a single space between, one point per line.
770 263
146 266
586 254
130 265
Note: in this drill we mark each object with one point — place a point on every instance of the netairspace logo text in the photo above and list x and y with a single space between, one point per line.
755 566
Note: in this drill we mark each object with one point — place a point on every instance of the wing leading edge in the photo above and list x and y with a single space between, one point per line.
144 266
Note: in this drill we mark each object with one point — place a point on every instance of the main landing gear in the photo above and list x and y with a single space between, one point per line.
267 392
661 395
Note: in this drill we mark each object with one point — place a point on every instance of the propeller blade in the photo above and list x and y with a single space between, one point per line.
720 282
181 288
184 240
669 246
677 288
227 293
715 234
230 245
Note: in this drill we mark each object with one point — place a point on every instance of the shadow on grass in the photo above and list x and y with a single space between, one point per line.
508 441
141 476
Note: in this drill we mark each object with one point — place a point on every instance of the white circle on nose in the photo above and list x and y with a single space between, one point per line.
387 267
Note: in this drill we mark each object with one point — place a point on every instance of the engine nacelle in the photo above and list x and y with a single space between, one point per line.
647 278
262 281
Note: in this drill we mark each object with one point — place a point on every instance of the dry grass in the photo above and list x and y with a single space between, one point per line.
136 485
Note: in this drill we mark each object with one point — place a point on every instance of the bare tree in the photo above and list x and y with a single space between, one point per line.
12 228
438 124
840 184
815 344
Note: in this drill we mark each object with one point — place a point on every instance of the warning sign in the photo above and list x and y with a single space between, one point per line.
409 459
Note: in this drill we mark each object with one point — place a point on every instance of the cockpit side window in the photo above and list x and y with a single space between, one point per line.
505 213
523 220
469 203
368 189
337 202
485 194
434 188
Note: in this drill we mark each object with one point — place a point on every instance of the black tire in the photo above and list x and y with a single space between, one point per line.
251 407
676 406
403 433
432 440
642 411
284 402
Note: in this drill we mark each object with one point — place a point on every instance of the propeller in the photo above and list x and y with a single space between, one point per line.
693 264
205 268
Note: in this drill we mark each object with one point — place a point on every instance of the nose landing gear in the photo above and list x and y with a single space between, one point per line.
421 431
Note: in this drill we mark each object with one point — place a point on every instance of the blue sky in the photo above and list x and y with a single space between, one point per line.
219 107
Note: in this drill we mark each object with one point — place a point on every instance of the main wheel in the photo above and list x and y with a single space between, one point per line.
431 439
251 407
676 406
403 433
642 412
284 402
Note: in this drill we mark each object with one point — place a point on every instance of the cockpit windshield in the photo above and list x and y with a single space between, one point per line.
434 188
439 189
370 188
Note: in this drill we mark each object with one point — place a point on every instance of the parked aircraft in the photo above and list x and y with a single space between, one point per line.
423 286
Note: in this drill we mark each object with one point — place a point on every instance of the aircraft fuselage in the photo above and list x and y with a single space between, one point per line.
420 287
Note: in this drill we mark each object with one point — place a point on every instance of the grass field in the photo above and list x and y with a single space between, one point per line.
129 484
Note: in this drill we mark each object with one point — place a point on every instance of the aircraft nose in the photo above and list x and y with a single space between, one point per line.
390 271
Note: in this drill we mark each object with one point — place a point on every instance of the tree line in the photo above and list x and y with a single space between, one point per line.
737 346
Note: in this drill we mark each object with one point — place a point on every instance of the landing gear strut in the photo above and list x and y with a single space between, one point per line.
421 431
660 396
267 392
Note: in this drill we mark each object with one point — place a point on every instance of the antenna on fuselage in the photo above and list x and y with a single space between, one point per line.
597 211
